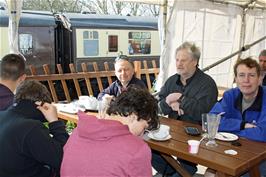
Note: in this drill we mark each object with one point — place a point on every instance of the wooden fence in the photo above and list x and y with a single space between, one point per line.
141 70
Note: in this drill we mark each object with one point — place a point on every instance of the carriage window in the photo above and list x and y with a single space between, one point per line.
91 43
113 43
139 43
25 44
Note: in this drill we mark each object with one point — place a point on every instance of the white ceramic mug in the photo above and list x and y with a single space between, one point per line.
162 132
84 100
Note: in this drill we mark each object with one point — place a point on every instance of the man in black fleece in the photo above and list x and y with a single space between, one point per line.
185 96
28 148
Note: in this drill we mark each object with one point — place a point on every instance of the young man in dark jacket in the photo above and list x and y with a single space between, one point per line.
28 148
12 73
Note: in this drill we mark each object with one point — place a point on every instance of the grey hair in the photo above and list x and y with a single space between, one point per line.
263 53
192 49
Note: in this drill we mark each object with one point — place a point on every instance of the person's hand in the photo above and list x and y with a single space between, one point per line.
49 111
173 97
176 107
249 125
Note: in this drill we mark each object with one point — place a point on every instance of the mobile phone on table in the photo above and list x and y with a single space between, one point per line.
192 131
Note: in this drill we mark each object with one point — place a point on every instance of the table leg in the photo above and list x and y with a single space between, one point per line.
175 165
221 174
254 171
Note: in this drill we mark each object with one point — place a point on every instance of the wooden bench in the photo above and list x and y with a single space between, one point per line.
141 70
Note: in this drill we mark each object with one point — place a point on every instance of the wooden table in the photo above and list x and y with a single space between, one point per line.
70 117
249 156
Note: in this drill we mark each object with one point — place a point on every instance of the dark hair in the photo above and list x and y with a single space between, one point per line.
263 53
137 101
192 49
123 58
32 90
249 62
12 67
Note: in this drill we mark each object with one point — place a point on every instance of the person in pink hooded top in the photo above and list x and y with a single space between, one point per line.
113 146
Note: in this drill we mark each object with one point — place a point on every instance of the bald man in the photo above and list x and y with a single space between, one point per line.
124 71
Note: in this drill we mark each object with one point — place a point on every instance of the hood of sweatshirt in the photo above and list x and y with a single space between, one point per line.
90 127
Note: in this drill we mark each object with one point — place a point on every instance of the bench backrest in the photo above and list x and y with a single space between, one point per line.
141 71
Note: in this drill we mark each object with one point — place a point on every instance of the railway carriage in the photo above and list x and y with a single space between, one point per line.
45 38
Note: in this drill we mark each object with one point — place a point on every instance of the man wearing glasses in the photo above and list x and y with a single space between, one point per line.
124 71
245 106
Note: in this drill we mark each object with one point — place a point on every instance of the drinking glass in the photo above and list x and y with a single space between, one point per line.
213 121
102 108
204 124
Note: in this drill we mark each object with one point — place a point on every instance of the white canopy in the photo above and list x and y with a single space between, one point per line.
241 3
14 10
218 27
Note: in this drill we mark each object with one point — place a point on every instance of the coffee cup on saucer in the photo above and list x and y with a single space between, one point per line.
162 132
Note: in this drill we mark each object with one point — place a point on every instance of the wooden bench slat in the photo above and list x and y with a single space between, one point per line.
106 67
87 80
76 83
50 83
145 65
63 82
98 78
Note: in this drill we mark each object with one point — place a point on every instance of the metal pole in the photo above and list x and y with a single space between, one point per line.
244 48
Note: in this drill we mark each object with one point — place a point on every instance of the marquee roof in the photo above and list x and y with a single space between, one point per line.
260 4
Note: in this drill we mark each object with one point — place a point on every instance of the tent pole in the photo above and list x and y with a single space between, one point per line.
165 4
244 48
243 29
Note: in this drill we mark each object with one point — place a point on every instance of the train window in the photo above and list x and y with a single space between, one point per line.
25 44
113 43
91 43
139 43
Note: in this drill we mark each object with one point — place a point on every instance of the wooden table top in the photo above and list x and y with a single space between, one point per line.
249 154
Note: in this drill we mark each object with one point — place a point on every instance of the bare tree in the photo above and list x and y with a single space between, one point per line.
118 7
97 6
134 8
53 5
100 6
153 9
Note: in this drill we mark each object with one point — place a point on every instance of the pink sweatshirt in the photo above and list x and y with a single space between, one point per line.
100 147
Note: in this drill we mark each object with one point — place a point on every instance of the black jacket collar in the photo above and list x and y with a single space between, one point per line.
178 82
27 109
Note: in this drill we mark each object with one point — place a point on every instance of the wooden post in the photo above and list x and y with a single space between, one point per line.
137 67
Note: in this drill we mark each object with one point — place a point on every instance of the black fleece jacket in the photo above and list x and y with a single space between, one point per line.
27 147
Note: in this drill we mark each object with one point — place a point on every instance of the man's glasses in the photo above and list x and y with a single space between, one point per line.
121 57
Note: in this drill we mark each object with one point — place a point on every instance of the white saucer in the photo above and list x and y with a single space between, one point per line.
224 136
150 135
68 108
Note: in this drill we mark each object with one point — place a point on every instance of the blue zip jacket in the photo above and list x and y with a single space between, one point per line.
233 120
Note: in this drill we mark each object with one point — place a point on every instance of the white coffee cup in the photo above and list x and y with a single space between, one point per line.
162 132
84 100
193 146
